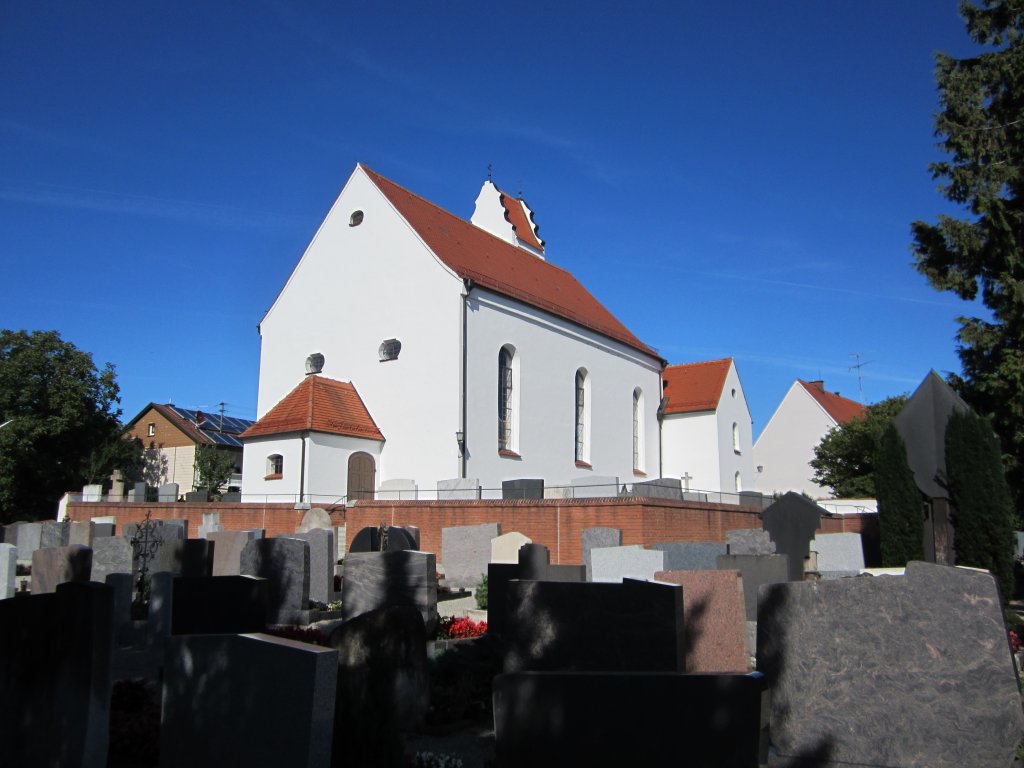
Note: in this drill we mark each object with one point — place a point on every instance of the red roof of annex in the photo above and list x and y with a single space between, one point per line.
472 253
318 404
841 409
693 387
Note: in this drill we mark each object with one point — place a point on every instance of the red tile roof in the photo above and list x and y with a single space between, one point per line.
842 409
694 386
318 404
516 213
501 267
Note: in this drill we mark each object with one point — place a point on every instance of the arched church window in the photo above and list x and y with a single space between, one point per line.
582 403
275 466
506 399
638 430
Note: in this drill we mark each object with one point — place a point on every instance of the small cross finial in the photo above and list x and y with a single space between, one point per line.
489 170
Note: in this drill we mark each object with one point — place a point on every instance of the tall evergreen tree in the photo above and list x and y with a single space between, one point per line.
900 502
983 516
981 128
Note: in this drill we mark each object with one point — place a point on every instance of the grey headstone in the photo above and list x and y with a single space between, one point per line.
458 488
321 563
92 492
554 626
714 719
161 605
8 570
376 580
105 525
227 551
690 555
137 493
196 497
29 537
209 524
398 490
661 488
756 571
838 552
55 677
179 526
505 548
231 497
81 532
752 499
54 534
694 496
110 554
613 564
523 488
213 704
167 492
1020 543
315 518
465 552
57 565
792 522
910 670
749 541
595 487
598 537
284 563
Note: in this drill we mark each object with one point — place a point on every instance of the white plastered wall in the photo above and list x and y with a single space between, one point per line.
689 445
732 409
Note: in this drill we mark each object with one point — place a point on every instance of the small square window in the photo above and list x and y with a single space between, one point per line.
152 429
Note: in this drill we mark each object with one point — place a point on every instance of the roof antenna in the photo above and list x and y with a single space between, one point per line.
860 373
489 171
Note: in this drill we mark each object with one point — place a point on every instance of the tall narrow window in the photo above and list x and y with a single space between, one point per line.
581 452
736 437
738 482
506 400
275 466
638 430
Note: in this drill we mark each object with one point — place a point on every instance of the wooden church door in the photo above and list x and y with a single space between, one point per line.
361 476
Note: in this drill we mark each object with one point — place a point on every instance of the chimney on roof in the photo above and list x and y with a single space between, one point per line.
508 218
818 384
200 418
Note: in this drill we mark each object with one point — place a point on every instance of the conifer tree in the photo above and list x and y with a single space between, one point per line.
981 128
900 502
983 516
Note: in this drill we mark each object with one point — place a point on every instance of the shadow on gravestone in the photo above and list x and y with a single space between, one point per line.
382 685
377 580
368 540
792 522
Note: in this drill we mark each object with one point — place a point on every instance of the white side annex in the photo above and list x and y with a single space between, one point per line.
785 448
706 429
414 307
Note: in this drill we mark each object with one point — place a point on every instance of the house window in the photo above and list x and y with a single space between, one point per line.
275 466
736 437
638 430
152 429
355 219
389 350
582 402
507 416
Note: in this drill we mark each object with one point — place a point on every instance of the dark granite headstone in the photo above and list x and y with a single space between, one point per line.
596 538
110 554
368 540
184 557
565 626
690 555
756 570
56 565
232 497
910 670
375 580
534 564
629 719
103 529
284 563
792 522
55 677
54 534
321 563
660 488
522 489
200 496
218 605
247 700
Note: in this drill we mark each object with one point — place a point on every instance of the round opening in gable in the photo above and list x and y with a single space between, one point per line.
355 219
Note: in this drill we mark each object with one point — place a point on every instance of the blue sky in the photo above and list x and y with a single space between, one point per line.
730 179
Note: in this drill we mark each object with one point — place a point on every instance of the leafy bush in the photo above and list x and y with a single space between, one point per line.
481 593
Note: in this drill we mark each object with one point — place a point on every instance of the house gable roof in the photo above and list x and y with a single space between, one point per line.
694 387
318 404
521 219
201 428
474 254
840 409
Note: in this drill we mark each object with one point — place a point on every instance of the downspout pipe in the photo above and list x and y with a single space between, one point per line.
468 284
302 469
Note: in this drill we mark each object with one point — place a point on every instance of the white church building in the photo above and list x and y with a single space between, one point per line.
411 346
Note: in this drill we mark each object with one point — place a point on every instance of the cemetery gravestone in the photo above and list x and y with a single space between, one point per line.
595 487
227 551
598 537
8 570
460 488
110 554
715 619
749 541
210 524
933 684
661 488
690 555
54 534
218 605
92 493
792 522
838 553
756 571
522 489
213 704
465 552
313 519
398 490
375 580
284 563
613 564
505 548
368 540
137 493
81 533
167 493
534 565
321 564
57 565
29 537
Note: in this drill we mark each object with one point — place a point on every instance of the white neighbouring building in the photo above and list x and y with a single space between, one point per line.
785 447
706 428
424 347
